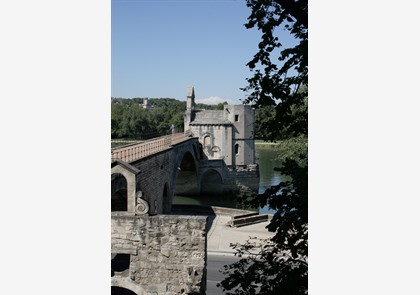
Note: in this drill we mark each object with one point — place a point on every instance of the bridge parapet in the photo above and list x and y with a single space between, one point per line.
133 152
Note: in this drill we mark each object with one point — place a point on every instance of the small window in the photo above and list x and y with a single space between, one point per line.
120 264
206 140
236 118
236 148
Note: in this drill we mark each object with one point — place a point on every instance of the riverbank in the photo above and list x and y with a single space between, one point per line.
220 232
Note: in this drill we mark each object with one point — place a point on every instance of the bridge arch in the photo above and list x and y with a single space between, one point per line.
211 183
187 176
125 287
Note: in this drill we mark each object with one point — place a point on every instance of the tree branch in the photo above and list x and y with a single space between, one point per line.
295 11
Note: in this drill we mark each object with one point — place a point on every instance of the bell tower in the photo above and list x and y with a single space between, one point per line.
189 112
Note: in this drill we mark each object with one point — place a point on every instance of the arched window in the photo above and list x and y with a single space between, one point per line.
236 148
206 140
118 192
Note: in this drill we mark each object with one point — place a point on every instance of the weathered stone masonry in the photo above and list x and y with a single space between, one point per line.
167 253
159 254
158 174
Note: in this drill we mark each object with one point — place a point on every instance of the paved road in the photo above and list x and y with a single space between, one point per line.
215 263
219 237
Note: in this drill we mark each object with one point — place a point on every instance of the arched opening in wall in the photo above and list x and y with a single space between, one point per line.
120 264
211 183
186 181
207 141
121 291
118 192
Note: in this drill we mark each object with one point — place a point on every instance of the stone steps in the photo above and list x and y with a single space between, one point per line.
247 219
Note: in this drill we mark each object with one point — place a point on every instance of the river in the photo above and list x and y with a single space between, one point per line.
265 155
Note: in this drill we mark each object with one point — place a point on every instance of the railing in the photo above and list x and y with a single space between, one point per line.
137 138
146 148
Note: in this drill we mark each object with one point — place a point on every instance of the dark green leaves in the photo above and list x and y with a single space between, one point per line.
279 91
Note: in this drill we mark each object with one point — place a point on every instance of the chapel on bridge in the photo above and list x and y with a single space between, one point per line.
226 134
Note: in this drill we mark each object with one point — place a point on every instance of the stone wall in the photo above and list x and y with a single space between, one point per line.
167 253
243 179
156 173
216 141
235 180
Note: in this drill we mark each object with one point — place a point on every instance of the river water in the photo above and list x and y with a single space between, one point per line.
266 159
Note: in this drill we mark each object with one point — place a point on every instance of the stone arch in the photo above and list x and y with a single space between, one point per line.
187 162
130 174
186 179
118 192
125 284
206 140
211 183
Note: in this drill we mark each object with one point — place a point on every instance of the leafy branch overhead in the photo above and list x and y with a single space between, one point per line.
280 74
279 91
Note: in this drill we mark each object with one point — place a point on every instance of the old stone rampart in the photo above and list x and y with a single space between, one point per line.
167 253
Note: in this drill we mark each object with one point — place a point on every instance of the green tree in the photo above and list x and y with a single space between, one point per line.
130 119
134 121
279 81
117 111
264 115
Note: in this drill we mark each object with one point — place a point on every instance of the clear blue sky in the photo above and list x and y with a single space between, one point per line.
159 48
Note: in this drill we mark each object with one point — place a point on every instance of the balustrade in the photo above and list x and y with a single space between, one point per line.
137 151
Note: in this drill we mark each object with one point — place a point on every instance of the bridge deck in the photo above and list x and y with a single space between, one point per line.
134 152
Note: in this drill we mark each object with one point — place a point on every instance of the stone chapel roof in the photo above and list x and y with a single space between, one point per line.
210 117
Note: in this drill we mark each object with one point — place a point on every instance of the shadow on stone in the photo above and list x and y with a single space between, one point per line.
196 210
121 291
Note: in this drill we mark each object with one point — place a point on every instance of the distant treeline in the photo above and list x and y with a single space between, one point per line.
129 119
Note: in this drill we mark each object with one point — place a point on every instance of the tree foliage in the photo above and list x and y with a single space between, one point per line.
280 80
130 120
279 91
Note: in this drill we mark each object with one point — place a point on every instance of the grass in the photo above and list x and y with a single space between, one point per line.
262 143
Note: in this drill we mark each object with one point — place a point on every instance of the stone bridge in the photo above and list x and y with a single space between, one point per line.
158 169
154 251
